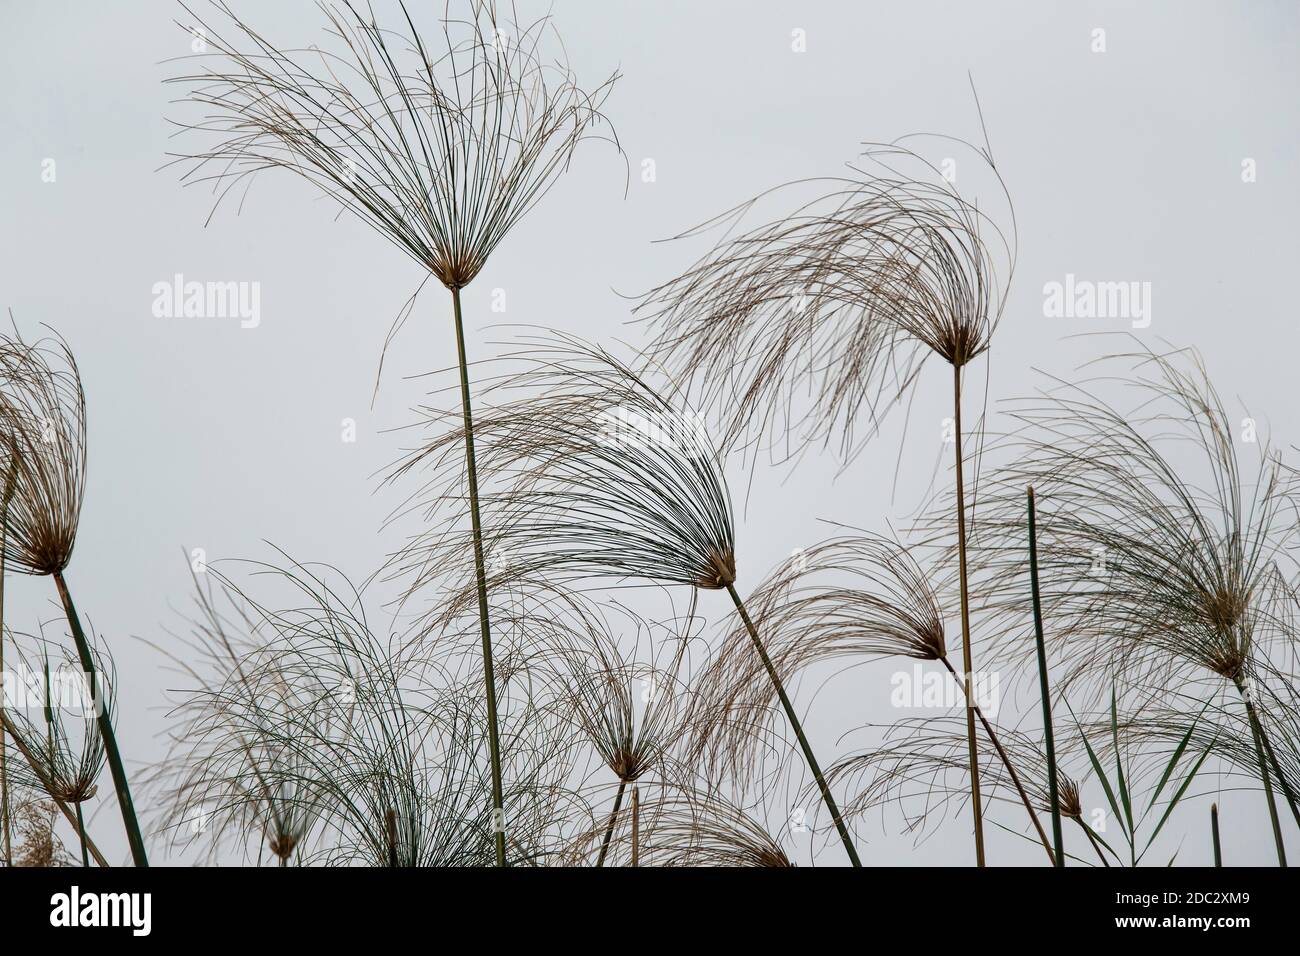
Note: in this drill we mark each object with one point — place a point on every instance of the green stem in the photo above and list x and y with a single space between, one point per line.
1214 832
105 728
81 834
1043 687
613 818
1006 762
1258 733
1281 777
489 679
976 807
798 728
390 820
1092 838
636 826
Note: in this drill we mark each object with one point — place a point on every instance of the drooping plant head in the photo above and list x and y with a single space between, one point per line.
585 468
301 720
615 677
267 791
686 827
590 679
441 137
231 771
287 820
1163 528
42 452
54 717
802 329
537 626
852 598
920 769
856 594
629 707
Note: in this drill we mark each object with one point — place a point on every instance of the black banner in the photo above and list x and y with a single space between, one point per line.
334 906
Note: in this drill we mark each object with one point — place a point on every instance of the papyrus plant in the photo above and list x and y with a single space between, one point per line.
595 473
59 732
441 138
851 599
320 724
1164 536
802 331
43 419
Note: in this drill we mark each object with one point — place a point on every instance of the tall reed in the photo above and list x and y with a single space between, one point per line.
636 825
1163 558
317 724
443 155
40 781
843 299
64 746
43 414
788 707
694 827
631 742
597 474
878 602
1214 834
1044 689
